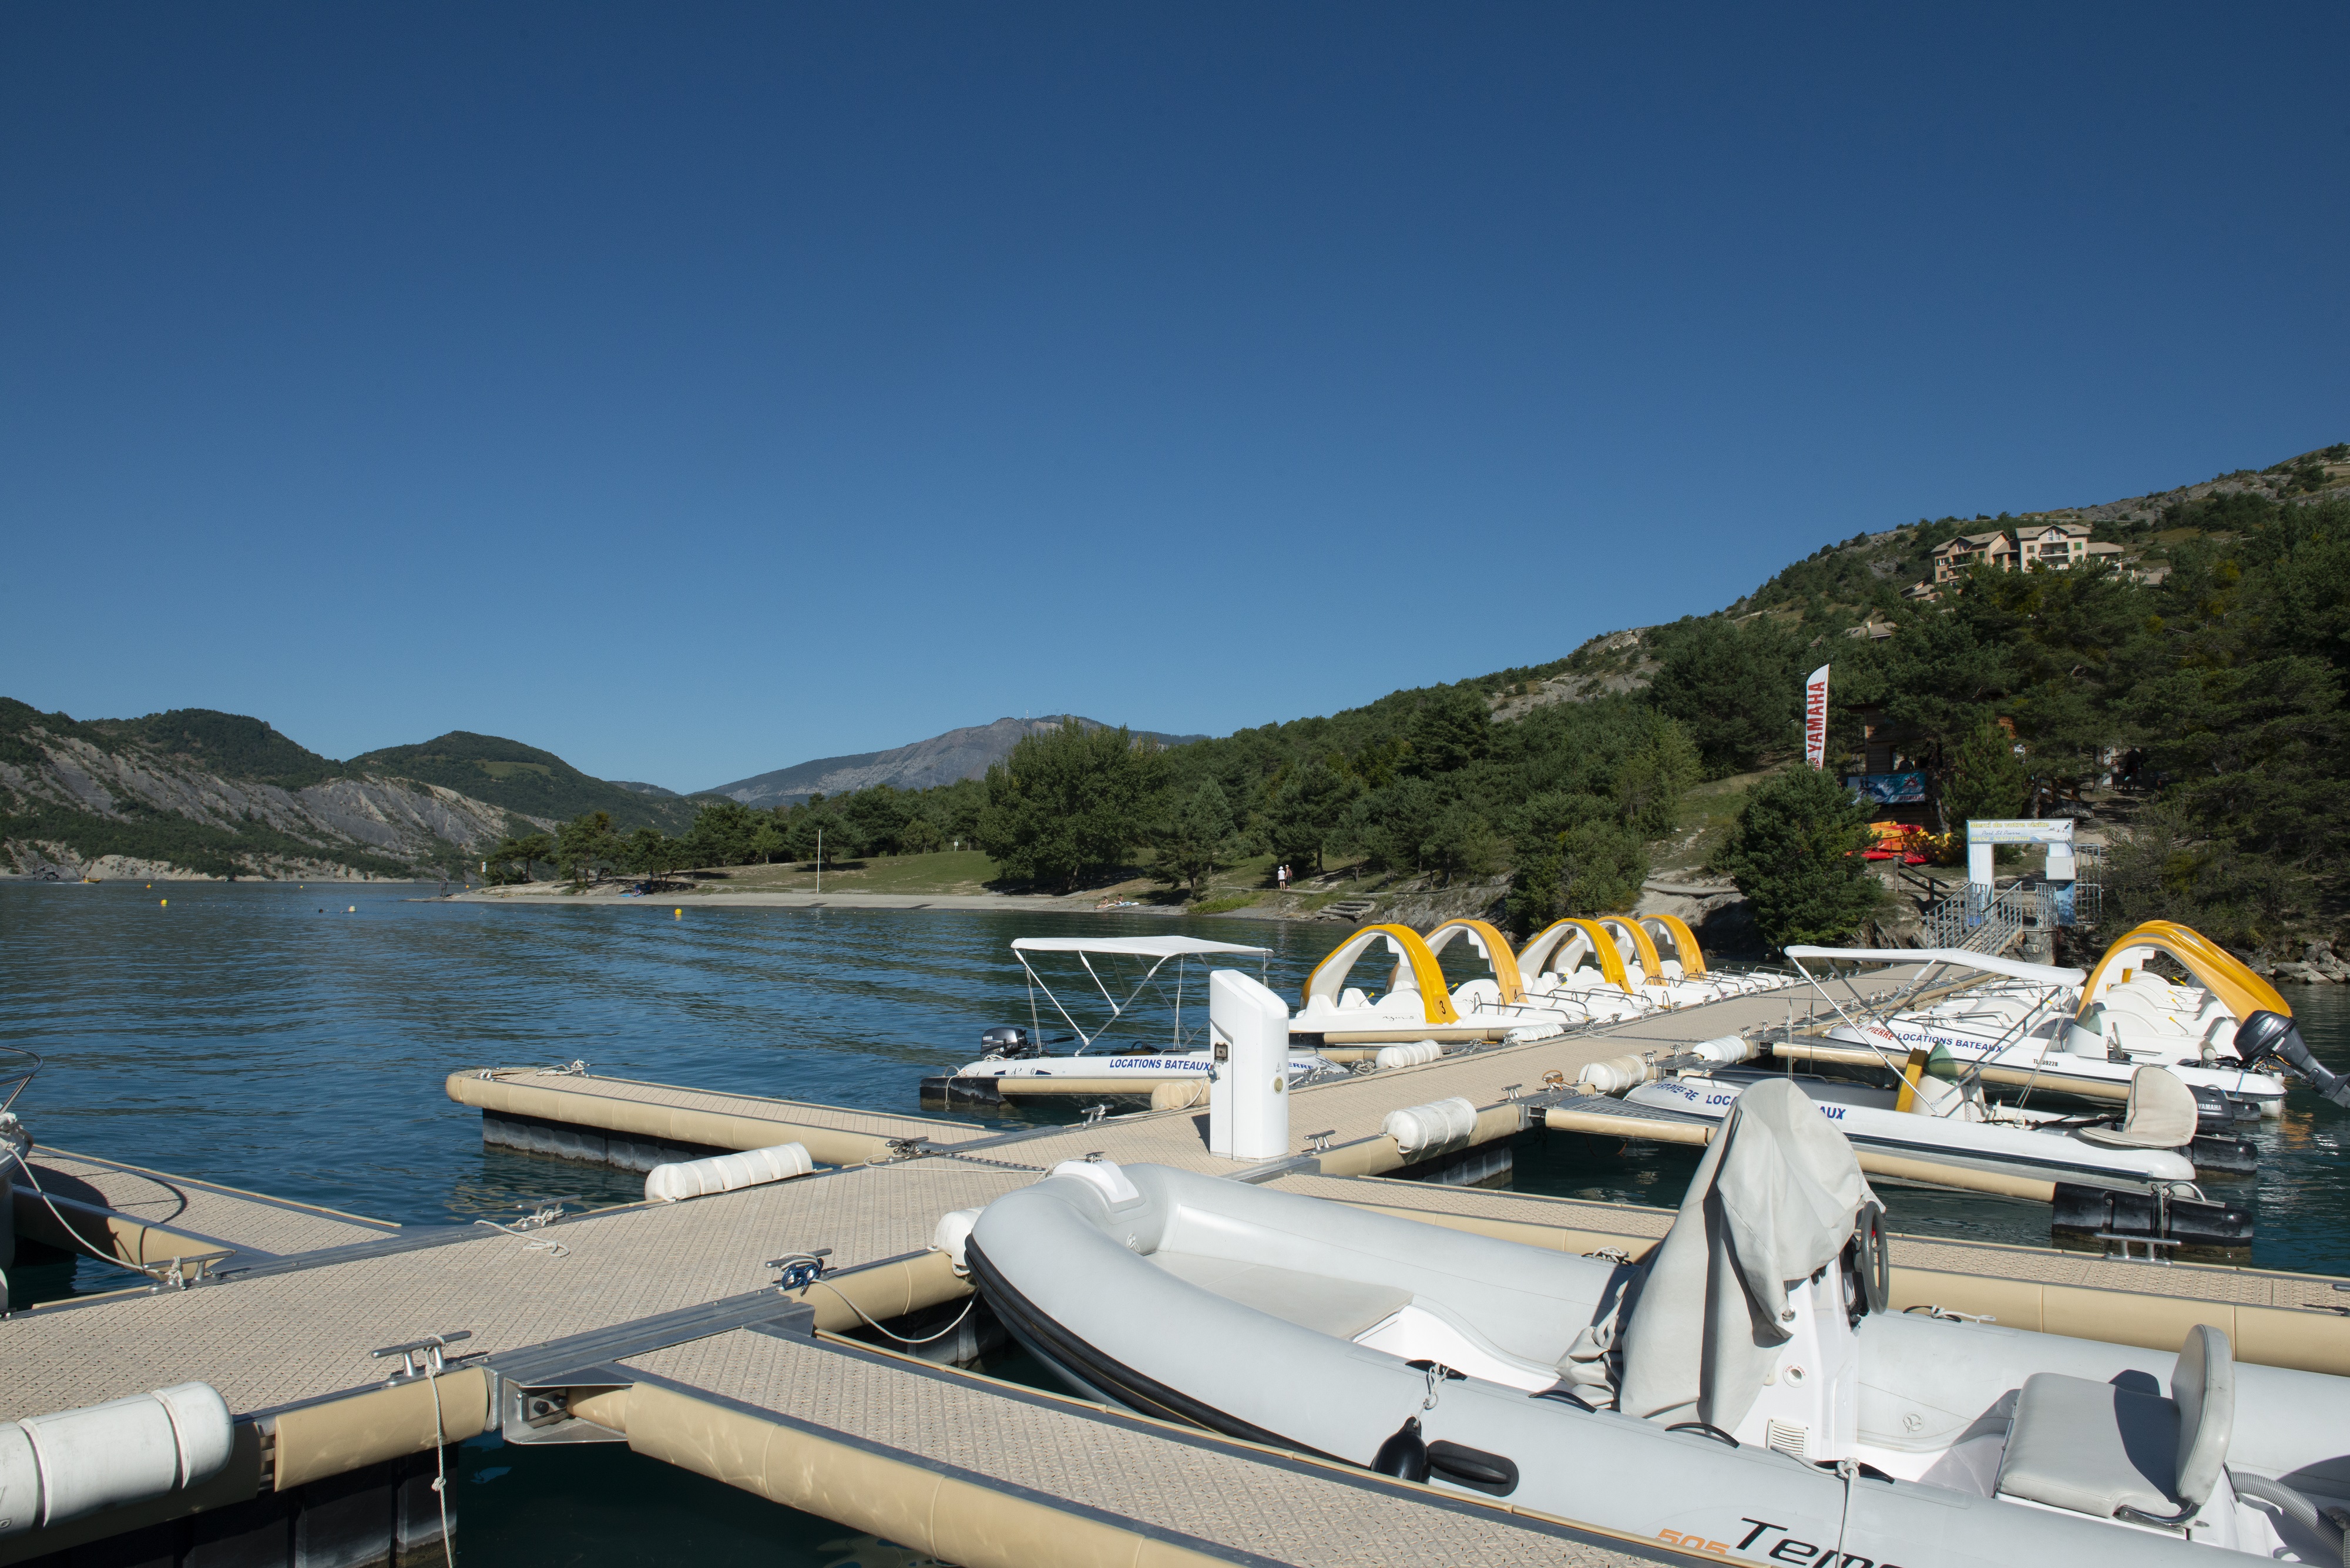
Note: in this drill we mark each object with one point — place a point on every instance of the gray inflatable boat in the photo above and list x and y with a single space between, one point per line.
1743 1392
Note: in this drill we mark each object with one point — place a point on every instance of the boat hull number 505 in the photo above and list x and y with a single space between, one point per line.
1763 1541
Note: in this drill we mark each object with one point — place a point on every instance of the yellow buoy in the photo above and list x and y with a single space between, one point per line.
677 914
352 910
164 903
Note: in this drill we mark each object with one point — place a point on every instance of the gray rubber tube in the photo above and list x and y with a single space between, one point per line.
2294 1504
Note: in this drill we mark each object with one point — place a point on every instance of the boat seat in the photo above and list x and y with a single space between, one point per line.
1339 1308
2098 1449
2160 1114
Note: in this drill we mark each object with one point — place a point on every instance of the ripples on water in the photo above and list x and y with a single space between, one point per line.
295 1041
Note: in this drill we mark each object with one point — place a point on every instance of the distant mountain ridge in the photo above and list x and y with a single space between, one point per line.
198 792
964 754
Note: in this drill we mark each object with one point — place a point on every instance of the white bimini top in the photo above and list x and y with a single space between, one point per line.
1132 947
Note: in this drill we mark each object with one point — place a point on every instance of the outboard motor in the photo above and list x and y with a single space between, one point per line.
1010 1041
2267 1034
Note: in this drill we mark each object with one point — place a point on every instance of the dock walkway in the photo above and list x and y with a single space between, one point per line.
673 1312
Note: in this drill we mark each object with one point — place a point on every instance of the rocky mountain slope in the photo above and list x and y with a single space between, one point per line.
196 792
964 754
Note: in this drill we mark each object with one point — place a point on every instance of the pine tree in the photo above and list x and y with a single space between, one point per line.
1986 778
1795 853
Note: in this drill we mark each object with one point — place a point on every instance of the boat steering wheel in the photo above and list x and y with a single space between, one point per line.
1868 1265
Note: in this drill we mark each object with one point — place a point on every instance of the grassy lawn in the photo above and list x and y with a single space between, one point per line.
1708 813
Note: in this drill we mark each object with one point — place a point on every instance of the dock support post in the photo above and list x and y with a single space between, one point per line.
1248 1100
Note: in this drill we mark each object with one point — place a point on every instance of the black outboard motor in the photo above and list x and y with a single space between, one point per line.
2267 1034
1010 1041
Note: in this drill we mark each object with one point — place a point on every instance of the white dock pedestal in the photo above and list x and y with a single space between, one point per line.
1248 1100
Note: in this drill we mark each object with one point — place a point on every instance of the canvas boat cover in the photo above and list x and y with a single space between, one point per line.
1775 1199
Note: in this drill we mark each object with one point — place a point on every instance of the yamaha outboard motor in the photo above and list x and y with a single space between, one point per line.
2267 1034
1009 1041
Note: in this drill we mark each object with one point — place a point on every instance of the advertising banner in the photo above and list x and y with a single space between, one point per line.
2019 830
1816 717
1887 789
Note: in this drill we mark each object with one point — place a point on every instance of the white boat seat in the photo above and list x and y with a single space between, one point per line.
2098 1449
2161 1114
1339 1308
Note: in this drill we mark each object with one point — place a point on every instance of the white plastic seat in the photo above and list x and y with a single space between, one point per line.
2102 1450
2160 1114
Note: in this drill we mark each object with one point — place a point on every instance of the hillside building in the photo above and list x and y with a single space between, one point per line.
2055 546
1993 549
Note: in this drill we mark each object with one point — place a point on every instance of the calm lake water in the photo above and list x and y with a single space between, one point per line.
295 1041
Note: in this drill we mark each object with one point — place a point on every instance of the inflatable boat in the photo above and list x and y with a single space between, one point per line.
2153 1141
2059 1031
1743 1392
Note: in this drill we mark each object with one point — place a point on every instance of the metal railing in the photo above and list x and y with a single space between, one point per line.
1979 919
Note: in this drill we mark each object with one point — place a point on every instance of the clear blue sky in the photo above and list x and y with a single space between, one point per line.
694 391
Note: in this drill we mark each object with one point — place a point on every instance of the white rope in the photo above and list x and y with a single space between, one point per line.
544 1217
441 1454
1847 1469
155 1273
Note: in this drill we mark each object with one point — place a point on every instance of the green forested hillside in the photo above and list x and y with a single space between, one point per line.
229 744
523 779
2200 674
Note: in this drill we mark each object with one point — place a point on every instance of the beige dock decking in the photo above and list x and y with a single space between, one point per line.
286 1338
1174 1487
153 1217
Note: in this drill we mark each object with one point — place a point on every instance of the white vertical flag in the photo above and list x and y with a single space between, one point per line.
1816 717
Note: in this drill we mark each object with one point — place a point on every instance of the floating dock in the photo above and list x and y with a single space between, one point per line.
664 1326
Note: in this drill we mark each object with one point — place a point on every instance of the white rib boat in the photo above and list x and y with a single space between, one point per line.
1742 1393
2151 1143
2067 1030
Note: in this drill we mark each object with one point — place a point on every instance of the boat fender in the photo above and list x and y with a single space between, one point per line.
1618 1073
1495 1474
1404 1454
1105 1178
74 1463
726 1172
952 1234
1417 1054
1438 1128
1726 1049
